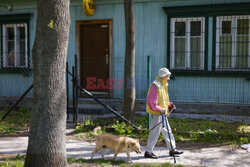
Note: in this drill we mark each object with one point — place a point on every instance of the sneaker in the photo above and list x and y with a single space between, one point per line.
173 152
150 155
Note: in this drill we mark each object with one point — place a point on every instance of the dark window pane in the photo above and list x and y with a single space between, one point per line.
225 51
226 27
22 53
195 52
10 46
11 53
10 32
195 28
180 51
11 58
242 52
242 26
180 28
22 32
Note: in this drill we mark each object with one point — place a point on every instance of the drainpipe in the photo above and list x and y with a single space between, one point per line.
149 80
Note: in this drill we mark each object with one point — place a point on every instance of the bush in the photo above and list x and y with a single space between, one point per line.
183 130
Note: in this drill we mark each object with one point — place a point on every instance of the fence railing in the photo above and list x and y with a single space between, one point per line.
191 91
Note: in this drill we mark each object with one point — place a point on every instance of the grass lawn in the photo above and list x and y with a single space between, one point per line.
18 161
16 123
184 130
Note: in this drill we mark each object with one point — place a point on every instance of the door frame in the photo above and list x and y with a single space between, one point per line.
91 22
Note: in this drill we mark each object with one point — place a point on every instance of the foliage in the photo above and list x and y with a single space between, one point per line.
18 161
101 162
211 131
84 126
183 130
15 121
122 128
245 140
204 136
110 162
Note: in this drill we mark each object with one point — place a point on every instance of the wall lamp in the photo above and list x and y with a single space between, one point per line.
9 8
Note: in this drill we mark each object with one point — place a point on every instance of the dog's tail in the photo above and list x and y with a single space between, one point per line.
95 130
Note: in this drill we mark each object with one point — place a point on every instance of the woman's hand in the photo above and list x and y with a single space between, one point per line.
162 110
171 106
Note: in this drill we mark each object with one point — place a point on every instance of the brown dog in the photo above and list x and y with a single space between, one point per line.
116 143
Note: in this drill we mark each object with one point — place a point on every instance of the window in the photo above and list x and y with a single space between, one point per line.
187 47
233 42
14 43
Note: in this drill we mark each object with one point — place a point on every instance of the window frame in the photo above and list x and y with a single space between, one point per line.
188 38
207 11
5 45
16 19
233 19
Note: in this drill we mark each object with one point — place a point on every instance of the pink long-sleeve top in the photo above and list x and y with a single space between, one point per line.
152 99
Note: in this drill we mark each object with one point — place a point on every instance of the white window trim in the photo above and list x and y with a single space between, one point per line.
249 46
5 54
4 46
233 20
188 42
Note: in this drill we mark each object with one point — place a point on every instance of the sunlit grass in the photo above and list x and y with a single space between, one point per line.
121 163
183 129
244 128
15 121
18 161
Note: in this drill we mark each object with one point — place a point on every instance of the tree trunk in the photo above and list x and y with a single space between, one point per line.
46 145
129 71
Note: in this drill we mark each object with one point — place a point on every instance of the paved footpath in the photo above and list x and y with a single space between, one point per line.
216 156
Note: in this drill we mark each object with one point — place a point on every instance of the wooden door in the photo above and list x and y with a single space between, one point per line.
94 55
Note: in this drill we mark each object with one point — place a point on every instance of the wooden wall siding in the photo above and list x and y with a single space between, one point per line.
14 84
210 89
151 38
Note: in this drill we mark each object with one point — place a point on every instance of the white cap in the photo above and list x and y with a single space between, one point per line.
163 72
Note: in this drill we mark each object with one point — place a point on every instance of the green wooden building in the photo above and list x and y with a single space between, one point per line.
204 43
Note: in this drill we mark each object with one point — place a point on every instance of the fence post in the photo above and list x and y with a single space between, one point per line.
73 91
67 89
149 79
76 81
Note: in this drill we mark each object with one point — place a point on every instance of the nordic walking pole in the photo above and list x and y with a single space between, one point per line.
163 119
163 125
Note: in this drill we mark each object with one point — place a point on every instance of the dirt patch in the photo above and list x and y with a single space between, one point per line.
9 156
24 132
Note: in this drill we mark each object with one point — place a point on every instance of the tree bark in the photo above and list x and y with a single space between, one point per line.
129 71
46 145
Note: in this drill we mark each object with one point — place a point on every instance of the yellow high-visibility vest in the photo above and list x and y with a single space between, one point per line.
162 95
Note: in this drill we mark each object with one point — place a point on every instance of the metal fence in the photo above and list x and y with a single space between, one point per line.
196 96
